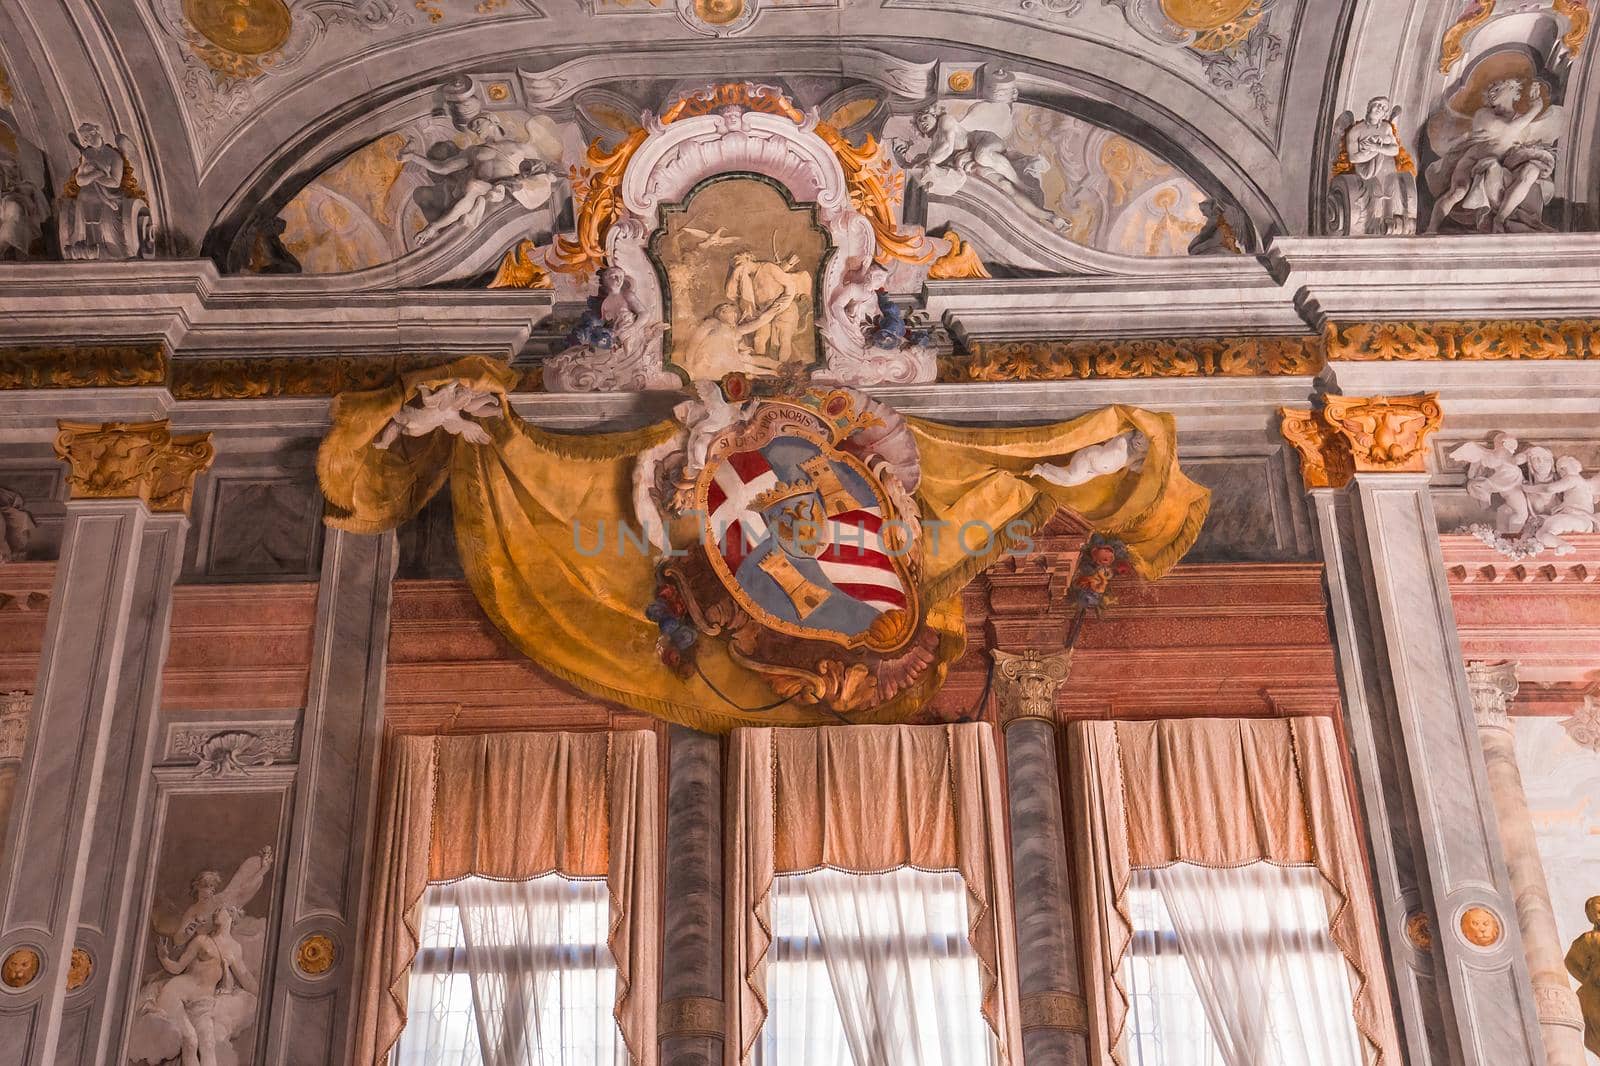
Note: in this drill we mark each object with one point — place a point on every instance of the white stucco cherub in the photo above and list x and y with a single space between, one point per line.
1125 451
448 408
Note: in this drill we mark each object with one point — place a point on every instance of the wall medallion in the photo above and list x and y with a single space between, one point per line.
20 968
316 955
79 969
1481 927
1204 14
1419 931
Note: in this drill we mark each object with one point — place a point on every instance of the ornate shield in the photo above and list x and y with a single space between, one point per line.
805 538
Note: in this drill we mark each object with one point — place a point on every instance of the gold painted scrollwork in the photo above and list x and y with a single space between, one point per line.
133 460
1353 434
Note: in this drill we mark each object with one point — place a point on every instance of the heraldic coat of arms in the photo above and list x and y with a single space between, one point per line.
790 530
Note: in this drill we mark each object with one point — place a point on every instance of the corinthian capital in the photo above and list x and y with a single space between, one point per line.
1361 435
133 460
1025 685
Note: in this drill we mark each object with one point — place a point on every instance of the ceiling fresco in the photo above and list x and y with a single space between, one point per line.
1052 136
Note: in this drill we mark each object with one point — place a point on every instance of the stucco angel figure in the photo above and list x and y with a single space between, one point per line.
16 526
1497 162
1565 504
855 300
102 212
448 408
1126 451
975 144
1493 471
1375 179
206 992
23 209
498 166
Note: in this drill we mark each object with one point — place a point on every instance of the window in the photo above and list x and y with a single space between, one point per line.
1230 967
518 969
873 970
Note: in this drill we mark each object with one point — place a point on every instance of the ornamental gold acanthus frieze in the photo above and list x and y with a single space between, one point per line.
1466 341
1352 435
133 460
1165 357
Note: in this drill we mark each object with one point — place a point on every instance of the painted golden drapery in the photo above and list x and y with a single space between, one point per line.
539 517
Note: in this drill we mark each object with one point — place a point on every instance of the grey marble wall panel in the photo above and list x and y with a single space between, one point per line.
327 857
692 907
82 789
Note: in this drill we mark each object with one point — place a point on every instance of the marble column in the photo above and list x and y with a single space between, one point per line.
1444 895
690 1023
73 871
1494 686
1055 1023
329 854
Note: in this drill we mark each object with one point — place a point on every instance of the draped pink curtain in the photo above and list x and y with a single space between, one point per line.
515 806
866 799
1218 793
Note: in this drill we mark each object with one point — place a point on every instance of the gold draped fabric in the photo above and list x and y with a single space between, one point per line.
514 806
867 799
539 519
1218 793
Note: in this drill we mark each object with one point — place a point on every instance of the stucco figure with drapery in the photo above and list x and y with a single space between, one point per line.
514 807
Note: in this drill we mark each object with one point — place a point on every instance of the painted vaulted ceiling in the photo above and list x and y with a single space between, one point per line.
1127 114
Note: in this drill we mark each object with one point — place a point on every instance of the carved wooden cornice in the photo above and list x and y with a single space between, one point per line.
1352 435
1154 357
133 460
1466 341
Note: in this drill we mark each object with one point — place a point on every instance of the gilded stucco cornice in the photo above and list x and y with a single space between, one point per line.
1145 357
275 376
1470 340
115 366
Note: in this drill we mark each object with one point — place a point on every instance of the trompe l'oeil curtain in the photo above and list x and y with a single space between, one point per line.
866 799
1216 794
540 519
514 807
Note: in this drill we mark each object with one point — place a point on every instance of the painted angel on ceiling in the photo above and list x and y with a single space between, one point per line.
495 167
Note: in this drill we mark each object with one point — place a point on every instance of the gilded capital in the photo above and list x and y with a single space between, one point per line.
1352 435
1025 685
133 460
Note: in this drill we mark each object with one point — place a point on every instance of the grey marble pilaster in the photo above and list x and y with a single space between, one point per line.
1421 777
691 1018
16 709
1494 686
326 868
71 878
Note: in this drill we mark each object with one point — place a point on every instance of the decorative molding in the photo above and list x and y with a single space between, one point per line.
275 376
1493 686
1453 47
1026 684
133 460
232 752
1154 357
109 366
316 955
1556 1005
690 1016
1469 340
15 708
1055 1010
1352 435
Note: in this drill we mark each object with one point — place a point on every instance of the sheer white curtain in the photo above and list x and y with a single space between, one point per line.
873 970
513 973
1235 967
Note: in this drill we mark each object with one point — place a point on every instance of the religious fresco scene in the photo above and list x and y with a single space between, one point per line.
799 533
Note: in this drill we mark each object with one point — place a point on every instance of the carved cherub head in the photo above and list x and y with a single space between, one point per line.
927 120
1380 109
90 136
1503 95
1541 462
